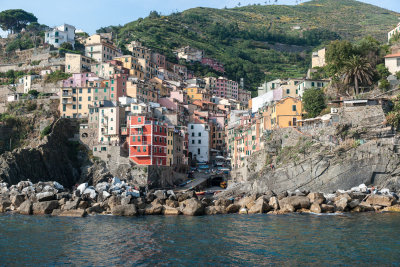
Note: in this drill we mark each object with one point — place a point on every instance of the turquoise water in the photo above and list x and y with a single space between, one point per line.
360 239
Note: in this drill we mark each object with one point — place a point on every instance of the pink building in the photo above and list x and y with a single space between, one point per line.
180 95
158 59
117 85
212 63
226 88
80 79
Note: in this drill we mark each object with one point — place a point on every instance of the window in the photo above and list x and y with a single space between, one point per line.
139 119
69 66
80 90
138 149
312 84
74 91
56 41
133 138
73 106
89 98
80 98
287 91
192 134
198 151
199 134
193 142
64 108
144 149
89 90
112 88
138 138
199 142
74 98
398 62
293 107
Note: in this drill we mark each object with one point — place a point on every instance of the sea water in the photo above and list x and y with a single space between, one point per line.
249 240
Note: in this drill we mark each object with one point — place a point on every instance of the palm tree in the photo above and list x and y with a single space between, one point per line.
358 70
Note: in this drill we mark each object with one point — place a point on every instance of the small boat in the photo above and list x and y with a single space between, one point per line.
200 193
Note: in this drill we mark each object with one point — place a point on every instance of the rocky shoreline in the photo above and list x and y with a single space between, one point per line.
120 199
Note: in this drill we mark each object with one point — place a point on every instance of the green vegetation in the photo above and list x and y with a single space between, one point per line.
393 117
245 39
46 131
56 76
12 76
313 102
15 20
358 70
21 42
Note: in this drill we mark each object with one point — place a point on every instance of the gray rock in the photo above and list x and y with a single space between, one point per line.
316 208
274 203
316 198
167 210
126 200
298 202
381 200
327 208
192 207
72 204
160 194
4 204
213 210
17 200
154 208
73 213
354 203
96 208
45 196
223 202
25 208
45 207
233 208
260 206
341 203
124 210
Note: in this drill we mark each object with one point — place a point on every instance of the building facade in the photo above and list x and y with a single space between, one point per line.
61 34
199 141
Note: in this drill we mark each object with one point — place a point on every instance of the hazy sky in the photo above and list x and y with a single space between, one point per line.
90 15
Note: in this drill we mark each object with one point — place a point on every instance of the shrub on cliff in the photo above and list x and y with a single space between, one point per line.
313 102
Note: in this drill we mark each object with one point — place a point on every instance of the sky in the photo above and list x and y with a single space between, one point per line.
90 15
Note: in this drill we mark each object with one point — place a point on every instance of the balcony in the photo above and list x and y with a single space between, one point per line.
67 101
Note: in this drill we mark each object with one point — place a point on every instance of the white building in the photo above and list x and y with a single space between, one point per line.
308 84
110 116
269 86
392 62
27 82
318 58
199 141
394 32
189 53
100 48
61 34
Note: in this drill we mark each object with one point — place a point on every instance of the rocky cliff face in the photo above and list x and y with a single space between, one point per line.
54 158
369 154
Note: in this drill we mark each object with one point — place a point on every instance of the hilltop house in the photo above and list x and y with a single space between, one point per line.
394 31
61 34
392 62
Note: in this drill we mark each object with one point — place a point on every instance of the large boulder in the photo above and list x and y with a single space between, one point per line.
167 210
96 208
274 203
287 208
247 202
73 213
45 196
233 208
341 203
25 208
213 210
172 203
192 207
160 194
316 198
223 202
45 207
4 204
297 202
381 200
315 207
124 210
260 206
327 208
154 208
72 204
186 195
17 200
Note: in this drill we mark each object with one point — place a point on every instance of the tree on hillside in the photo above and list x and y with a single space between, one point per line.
15 19
313 102
337 53
357 70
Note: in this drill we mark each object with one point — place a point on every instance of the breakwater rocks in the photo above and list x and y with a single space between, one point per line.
120 199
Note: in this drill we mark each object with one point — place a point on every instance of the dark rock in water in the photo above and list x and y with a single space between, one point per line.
73 213
124 210
155 208
4 204
192 207
207 201
17 200
327 208
150 197
96 208
25 208
298 202
233 208
45 196
83 205
62 195
46 207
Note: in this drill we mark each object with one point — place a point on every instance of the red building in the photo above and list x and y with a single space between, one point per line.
147 141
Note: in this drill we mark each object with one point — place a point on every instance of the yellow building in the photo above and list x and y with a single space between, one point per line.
285 113
75 102
290 88
143 92
132 64
76 63
197 93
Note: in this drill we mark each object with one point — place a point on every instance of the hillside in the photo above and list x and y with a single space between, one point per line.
241 37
